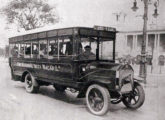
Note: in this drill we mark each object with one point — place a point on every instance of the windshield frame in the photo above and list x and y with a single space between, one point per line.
98 41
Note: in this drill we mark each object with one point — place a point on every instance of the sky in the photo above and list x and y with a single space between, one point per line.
97 12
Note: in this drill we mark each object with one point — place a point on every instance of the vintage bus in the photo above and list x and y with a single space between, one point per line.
76 58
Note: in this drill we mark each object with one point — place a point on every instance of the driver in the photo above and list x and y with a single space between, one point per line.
87 54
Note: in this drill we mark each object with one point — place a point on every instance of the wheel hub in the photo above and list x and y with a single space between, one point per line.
96 100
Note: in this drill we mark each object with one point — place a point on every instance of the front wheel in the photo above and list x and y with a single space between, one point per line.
136 98
98 99
31 84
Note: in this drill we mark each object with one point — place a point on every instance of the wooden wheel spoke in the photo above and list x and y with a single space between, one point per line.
96 95
98 99
91 97
136 93
98 106
95 104
129 99
92 104
134 99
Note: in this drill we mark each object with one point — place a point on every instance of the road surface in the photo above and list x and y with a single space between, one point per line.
17 104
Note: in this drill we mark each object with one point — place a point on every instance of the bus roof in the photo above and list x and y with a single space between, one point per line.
70 31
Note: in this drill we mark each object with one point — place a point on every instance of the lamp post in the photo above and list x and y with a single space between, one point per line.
143 64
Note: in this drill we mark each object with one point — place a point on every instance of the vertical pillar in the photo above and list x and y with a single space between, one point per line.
39 49
47 48
147 43
31 50
154 53
155 42
126 39
24 47
133 50
155 48
158 43
136 42
58 49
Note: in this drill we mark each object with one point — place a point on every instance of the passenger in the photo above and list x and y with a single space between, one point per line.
61 49
14 51
54 50
87 54
21 54
28 50
43 52
69 48
36 50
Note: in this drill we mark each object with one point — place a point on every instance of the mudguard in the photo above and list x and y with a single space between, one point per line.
32 73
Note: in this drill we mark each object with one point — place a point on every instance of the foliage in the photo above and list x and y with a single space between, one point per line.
30 14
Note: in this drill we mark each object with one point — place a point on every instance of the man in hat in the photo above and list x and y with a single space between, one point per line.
87 54
43 51
54 50
14 51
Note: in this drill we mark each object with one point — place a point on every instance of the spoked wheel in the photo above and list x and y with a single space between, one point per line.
31 84
135 99
59 88
98 99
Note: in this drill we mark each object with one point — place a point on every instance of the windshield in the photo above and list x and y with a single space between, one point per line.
88 46
106 50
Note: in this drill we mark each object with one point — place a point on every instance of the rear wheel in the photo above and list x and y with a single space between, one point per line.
31 84
59 88
97 99
136 98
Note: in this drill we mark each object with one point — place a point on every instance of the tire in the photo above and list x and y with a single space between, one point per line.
31 84
97 99
136 98
59 88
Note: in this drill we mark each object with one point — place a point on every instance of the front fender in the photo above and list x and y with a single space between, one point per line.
105 82
32 73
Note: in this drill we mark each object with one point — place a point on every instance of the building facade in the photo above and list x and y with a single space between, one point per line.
129 44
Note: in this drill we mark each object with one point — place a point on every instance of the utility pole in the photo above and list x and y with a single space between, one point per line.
143 65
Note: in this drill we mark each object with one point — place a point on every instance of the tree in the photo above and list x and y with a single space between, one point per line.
30 14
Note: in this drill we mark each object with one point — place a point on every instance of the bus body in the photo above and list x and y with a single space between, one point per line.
58 57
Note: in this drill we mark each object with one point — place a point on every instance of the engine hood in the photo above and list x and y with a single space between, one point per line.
108 66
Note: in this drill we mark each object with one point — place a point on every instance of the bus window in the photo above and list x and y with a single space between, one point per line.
53 48
66 47
35 49
106 49
87 49
27 50
43 49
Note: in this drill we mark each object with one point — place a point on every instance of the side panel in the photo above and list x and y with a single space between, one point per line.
46 71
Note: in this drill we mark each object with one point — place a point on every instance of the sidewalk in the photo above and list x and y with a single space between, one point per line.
153 80
160 70
155 96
